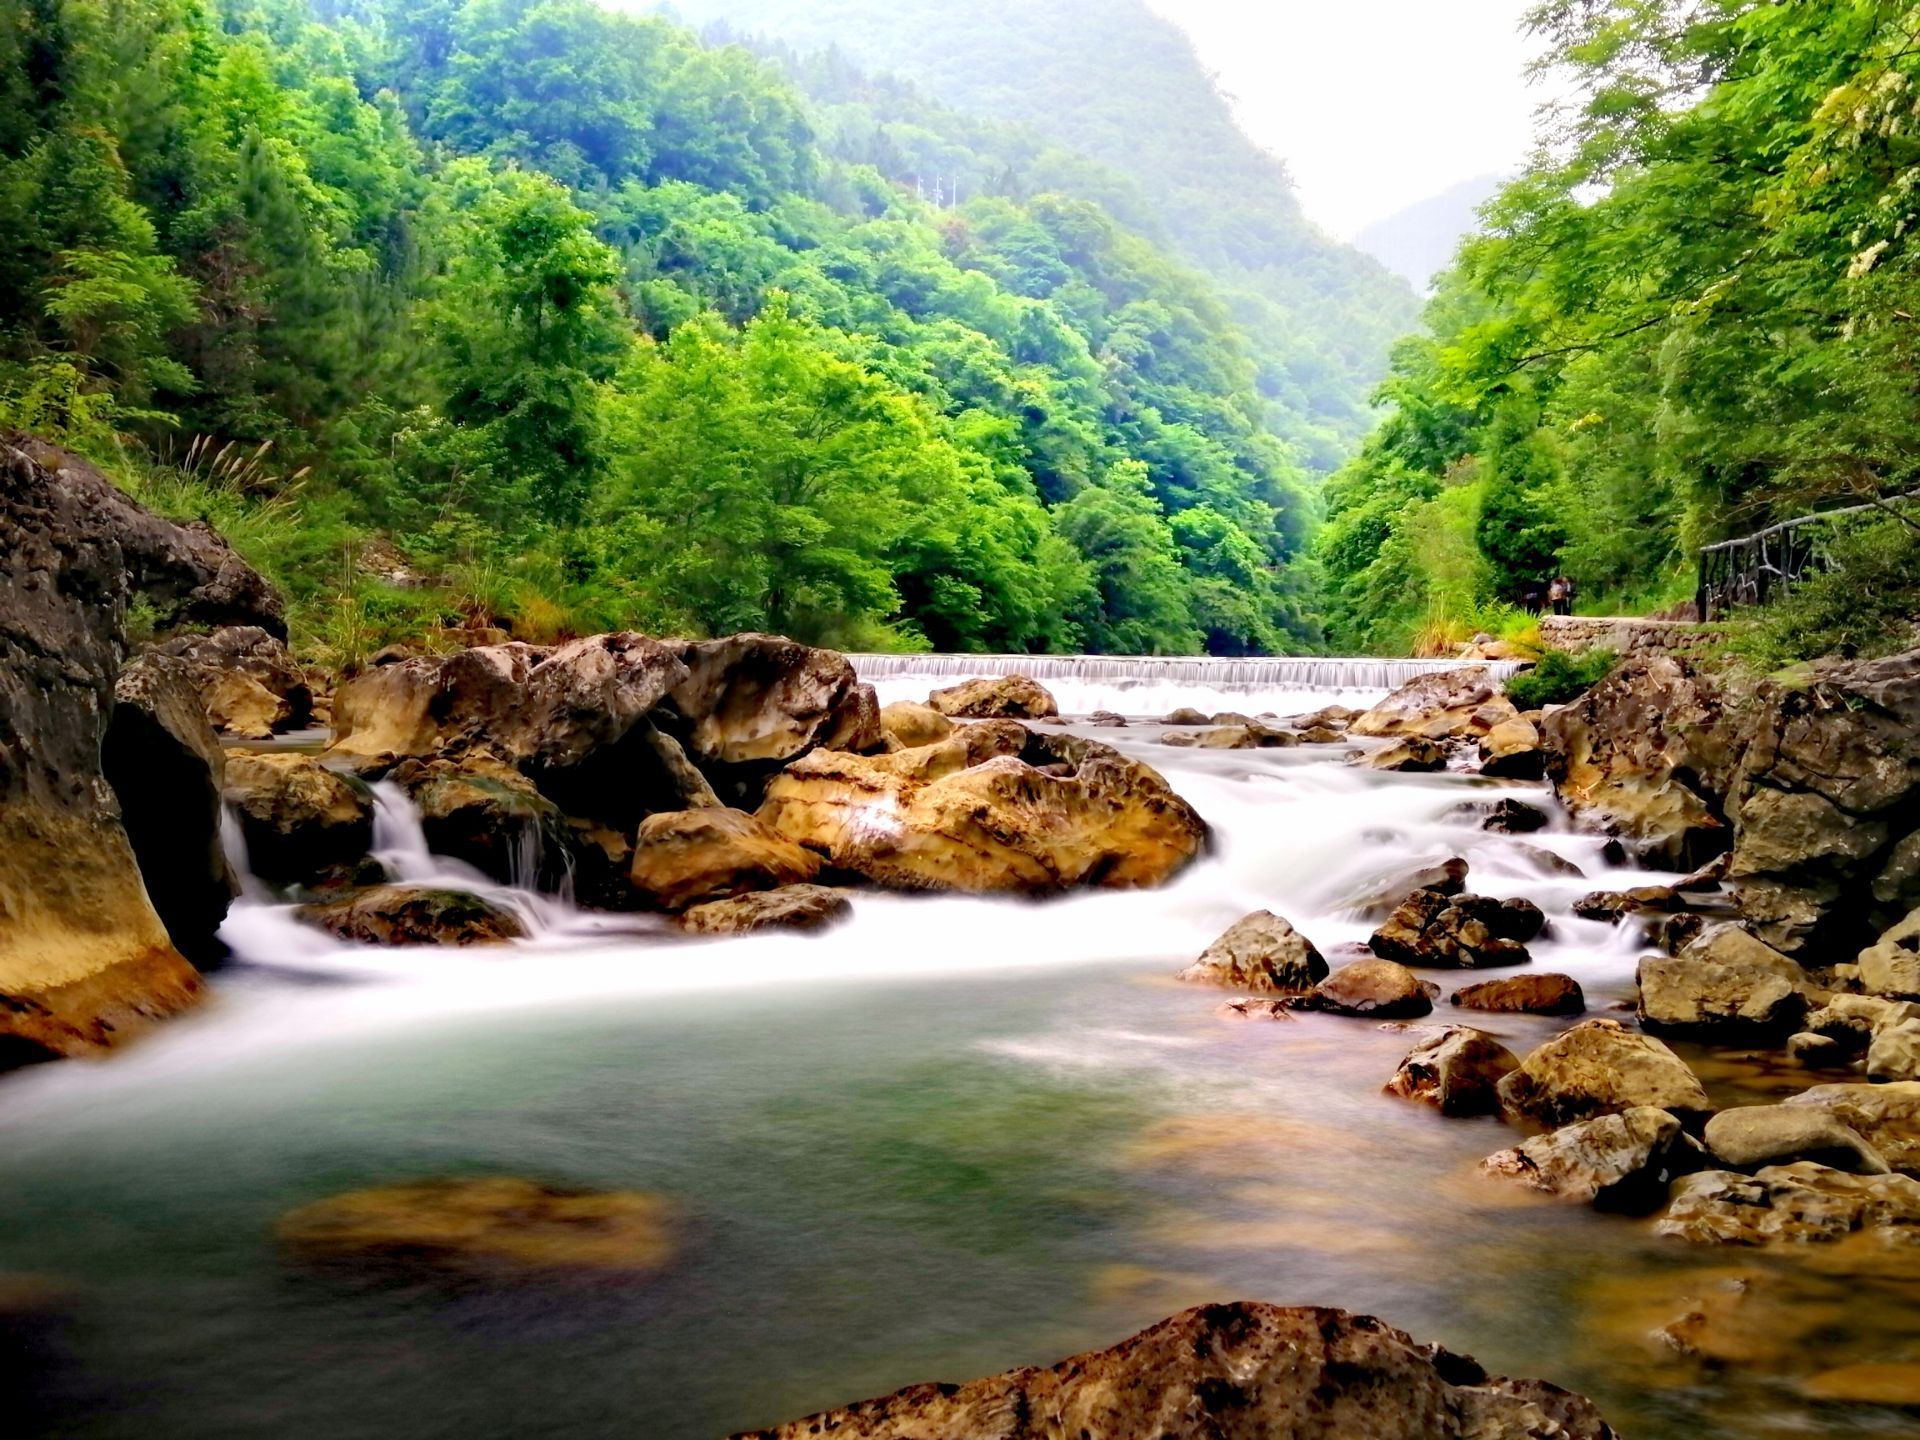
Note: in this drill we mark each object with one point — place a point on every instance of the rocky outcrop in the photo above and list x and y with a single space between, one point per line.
791 907
1524 994
301 822
753 702
1748 1137
1725 983
1262 953
1457 1071
1228 1372
166 769
1826 805
1007 697
1456 932
1647 755
484 1226
86 960
1623 1161
246 678
1798 1202
489 815
1377 989
1439 705
1600 1067
413 915
909 724
695 856
993 809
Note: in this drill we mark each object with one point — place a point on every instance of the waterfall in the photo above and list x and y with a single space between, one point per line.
1148 685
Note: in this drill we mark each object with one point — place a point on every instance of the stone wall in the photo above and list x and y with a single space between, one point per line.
1627 635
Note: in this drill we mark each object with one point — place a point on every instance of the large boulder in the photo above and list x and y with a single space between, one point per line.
1724 983
1624 1161
994 808
301 821
490 816
247 680
1648 755
755 702
695 856
1826 802
1260 952
1748 1137
1437 705
409 915
1007 697
1798 1202
1228 1372
166 768
1600 1067
86 960
1891 965
1454 932
1375 989
1457 1071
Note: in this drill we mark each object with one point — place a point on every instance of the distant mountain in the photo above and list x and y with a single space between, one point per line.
1110 80
1419 241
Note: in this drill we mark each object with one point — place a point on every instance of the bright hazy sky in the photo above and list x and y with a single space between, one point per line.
1373 104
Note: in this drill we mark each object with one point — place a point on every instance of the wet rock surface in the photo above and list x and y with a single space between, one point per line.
1600 1067
1456 932
1263 953
490 816
1885 1116
300 820
407 915
790 907
1438 705
909 725
1751 1136
1373 988
1008 697
1799 1202
246 678
1228 1372
1457 1071
696 856
1622 1161
1543 994
1724 982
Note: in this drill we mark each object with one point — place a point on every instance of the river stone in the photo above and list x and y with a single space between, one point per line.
1853 1020
490 816
1802 1202
484 1226
1260 952
1886 1116
790 907
1457 932
1511 751
1378 989
1446 700
1456 1071
1600 1067
1514 817
1185 715
166 768
1526 994
1007 697
1891 966
1616 1162
694 856
299 819
1724 983
413 915
1382 897
909 724
996 808
1413 755
1748 1137
1614 906
246 678
1244 1371
1894 1053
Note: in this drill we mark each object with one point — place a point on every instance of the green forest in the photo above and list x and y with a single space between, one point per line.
580 320
1693 315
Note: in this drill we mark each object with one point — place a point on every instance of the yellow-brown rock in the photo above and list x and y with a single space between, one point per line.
1005 697
688 857
299 819
1438 705
909 724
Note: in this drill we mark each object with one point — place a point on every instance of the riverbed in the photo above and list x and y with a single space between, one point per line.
948 1137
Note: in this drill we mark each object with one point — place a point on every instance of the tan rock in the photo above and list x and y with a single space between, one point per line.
1412 755
1448 699
299 819
1599 1067
1748 1137
397 915
1511 750
1456 1070
1260 952
693 856
1376 988
909 724
1526 994
1891 966
1723 982
1798 1202
791 907
1886 1116
1617 1162
1007 697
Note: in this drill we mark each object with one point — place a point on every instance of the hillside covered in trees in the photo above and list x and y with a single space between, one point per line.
1692 316
1110 81
589 325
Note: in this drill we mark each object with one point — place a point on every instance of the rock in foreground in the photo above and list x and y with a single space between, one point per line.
484 1225
1543 994
1459 1071
1229 1372
1378 989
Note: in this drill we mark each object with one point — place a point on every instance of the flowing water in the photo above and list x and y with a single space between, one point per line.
951 1136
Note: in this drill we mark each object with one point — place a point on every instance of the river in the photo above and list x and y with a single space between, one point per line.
949 1137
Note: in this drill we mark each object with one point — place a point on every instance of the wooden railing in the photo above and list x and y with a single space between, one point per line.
1754 568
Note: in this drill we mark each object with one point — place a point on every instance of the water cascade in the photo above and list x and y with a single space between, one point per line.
1150 685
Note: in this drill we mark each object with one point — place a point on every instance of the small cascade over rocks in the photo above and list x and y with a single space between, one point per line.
1152 685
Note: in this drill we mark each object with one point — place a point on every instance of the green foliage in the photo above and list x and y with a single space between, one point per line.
1864 602
1559 677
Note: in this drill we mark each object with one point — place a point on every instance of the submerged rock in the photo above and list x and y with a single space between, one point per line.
995 808
413 915
1250 736
700 855
1599 1067
1228 1372
1006 697
790 907
1546 994
1378 989
1381 898
1613 906
1798 1202
1260 952
1750 1136
1623 1161
1456 1071
482 1226
299 819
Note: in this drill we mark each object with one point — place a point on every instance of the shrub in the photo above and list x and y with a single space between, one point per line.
1864 603
1559 677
